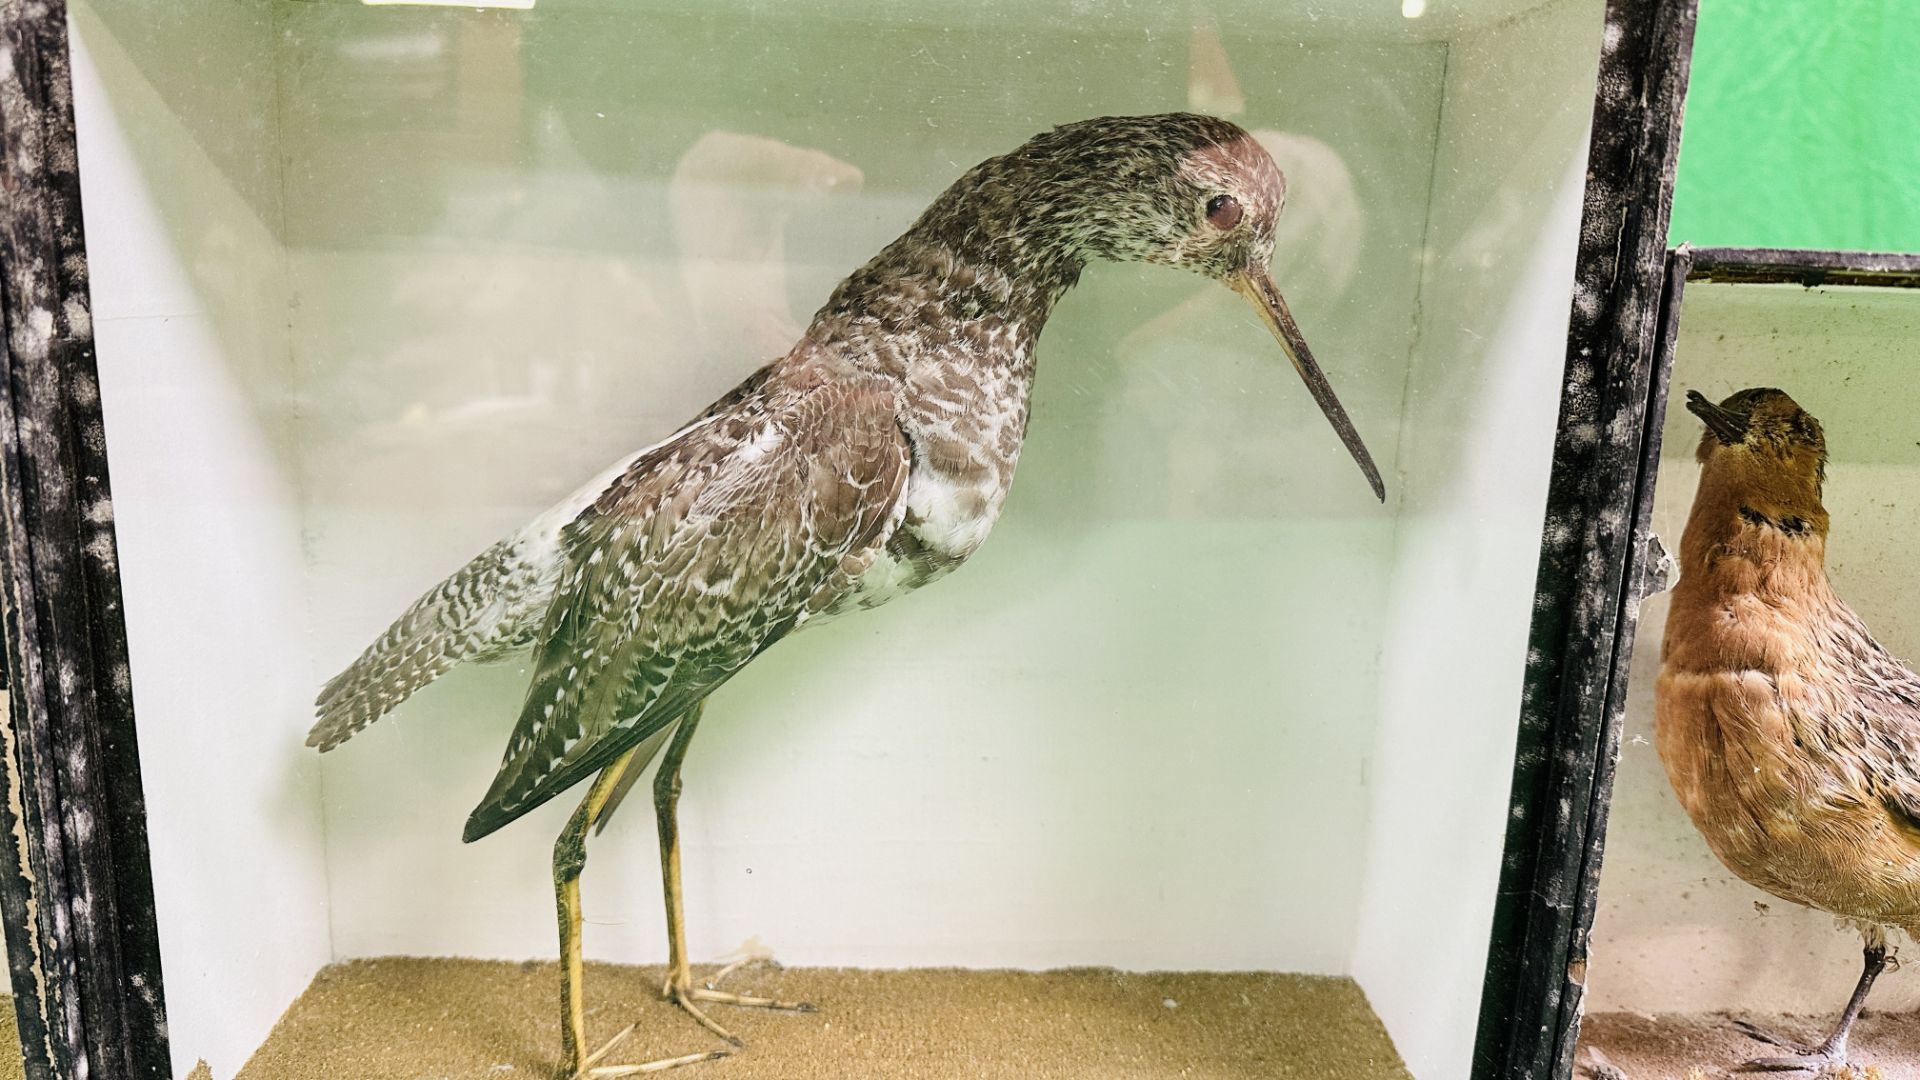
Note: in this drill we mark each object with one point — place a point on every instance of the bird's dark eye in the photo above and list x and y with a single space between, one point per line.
1223 211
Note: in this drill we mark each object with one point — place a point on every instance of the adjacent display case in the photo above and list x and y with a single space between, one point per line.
1685 952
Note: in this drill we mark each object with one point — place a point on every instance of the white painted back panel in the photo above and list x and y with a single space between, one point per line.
189 306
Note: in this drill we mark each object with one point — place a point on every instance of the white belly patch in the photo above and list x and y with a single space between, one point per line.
952 518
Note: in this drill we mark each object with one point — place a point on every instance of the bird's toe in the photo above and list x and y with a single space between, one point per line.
615 1072
1804 1064
1759 1034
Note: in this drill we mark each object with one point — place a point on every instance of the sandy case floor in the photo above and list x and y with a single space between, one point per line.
11 1067
403 1019
1886 1046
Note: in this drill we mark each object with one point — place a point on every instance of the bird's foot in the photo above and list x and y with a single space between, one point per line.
1815 1061
1817 1064
685 997
710 991
614 1072
591 1069
680 990
747 1001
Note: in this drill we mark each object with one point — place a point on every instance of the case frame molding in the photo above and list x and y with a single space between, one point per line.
76 887
1802 266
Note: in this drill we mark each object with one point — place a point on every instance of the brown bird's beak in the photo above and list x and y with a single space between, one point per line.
1258 287
1728 426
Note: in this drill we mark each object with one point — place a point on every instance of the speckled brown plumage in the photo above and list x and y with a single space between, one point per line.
938 332
1791 737
871 459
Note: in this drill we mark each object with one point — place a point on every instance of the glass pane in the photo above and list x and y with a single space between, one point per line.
1158 783
1681 940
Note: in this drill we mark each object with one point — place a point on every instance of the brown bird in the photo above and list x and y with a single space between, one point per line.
1790 735
869 460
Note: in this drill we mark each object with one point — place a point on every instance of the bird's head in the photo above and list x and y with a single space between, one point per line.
1182 190
1194 192
1179 189
1762 443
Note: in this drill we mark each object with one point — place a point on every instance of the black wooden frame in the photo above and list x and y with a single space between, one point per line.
1801 266
76 889
75 883
1593 554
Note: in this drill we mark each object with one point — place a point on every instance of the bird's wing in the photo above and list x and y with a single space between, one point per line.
694 560
487 608
1886 719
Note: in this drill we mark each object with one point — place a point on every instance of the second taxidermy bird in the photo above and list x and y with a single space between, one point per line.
1790 735
871 459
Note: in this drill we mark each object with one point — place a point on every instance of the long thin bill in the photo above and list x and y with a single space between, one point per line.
1728 426
1261 292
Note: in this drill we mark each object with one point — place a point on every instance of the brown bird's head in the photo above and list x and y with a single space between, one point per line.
1763 448
1178 189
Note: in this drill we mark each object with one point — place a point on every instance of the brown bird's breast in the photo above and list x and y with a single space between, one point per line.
1775 756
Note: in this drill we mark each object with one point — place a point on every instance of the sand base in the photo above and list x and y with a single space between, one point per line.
11 1066
1706 1047
403 1019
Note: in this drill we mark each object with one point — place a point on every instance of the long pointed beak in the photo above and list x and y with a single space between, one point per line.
1728 426
1258 287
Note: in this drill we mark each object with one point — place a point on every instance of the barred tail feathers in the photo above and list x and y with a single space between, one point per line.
486 608
489 607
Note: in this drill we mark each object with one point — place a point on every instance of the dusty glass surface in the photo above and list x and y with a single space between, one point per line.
1679 941
375 285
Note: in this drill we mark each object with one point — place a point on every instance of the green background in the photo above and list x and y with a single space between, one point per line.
1803 126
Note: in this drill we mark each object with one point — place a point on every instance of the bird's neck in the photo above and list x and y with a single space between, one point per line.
922 299
974 279
1746 511
1747 538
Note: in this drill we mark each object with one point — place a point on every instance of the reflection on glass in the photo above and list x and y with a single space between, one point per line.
732 198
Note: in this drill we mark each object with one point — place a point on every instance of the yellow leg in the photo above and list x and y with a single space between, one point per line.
679 987
569 858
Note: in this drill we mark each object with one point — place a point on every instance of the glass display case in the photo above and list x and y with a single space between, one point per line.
1204 766
1694 967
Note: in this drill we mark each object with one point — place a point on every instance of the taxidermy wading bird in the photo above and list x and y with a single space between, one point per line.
1790 735
869 460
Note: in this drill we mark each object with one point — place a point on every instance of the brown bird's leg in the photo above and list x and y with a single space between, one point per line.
569 858
679 987
1833 1052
